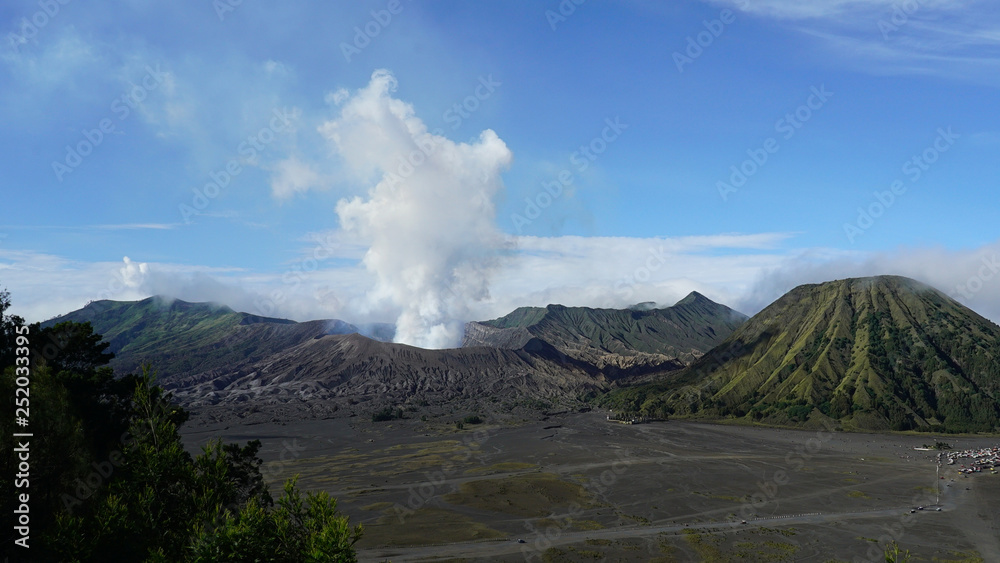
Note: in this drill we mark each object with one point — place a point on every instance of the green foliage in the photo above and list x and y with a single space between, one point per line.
386 414
799 413
119 485
71 346
630 399
536 404
78 416
297 531
894 555
78 360
8 331
162 504
840 405
473 419
60 453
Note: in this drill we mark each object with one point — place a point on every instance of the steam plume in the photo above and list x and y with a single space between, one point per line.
429 220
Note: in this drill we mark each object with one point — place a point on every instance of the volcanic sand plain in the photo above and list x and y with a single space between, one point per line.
576 487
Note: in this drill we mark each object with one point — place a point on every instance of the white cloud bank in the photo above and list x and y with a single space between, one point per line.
970 276
746 272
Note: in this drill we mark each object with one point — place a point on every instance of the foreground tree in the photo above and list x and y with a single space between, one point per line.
297 531
111 480
8 330
168 506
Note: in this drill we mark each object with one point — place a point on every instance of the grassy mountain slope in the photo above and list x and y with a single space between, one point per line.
180 338
874 353
681 333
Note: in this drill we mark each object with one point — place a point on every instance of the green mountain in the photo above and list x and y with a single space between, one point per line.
181 338
641 336
872 353
225 364
228 364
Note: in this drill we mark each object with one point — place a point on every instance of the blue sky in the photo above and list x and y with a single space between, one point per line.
697 89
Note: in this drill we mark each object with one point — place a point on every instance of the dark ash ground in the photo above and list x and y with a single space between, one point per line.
575 487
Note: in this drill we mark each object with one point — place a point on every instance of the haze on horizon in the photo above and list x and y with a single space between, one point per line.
429 164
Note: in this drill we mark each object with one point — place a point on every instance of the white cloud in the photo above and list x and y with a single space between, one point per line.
825 9
44 285
971 276
293 176
328 280
621 271
952 38
56 62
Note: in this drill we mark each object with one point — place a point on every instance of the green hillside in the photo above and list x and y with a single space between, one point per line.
180 337
874 353
685 331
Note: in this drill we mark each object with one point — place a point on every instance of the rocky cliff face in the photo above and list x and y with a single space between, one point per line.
341 375
479 334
